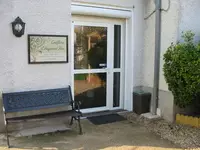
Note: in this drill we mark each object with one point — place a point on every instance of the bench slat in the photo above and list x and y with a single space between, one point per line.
47 115
34 100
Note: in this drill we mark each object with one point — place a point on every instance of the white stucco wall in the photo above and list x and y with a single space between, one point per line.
118 3
138 28
41 17
169 34
182 16
189 17
49 17
54 17
137 42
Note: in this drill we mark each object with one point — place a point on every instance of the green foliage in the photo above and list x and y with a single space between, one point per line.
182 70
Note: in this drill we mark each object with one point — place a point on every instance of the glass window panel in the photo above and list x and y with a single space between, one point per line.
116 89
117 46
90 47
90 89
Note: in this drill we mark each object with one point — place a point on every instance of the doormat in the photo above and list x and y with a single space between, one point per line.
104 119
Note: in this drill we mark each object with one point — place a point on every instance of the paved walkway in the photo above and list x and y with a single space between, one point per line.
115 136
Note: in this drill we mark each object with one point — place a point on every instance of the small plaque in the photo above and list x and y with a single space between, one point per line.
47 49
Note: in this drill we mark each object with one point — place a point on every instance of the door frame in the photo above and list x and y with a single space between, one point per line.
87 23
110 70
129 42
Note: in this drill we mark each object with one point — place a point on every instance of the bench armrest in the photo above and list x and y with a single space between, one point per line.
76 105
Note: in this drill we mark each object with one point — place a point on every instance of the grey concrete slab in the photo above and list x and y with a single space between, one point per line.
114 136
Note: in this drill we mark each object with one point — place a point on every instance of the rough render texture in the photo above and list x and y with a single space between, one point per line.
169 34
181 17
46 17
41 17
138 24
138 30
189 17
120 3
189 20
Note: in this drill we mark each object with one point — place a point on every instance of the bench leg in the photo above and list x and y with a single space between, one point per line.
7 136
71 122
79 124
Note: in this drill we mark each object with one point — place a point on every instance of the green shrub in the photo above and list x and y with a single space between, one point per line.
182 70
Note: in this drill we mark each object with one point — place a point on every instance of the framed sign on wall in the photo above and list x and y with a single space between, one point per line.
47 49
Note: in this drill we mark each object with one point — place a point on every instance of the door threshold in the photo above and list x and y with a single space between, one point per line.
101 113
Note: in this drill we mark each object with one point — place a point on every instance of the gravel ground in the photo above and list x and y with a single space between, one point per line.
185 136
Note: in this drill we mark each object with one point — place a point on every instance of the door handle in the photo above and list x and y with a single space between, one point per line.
103 65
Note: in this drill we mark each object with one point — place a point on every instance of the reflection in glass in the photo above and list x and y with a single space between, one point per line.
116 89
117 46
90 89
90 47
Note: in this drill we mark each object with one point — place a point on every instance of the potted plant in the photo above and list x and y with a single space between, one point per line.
182 74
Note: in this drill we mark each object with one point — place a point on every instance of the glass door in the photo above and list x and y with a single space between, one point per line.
97 65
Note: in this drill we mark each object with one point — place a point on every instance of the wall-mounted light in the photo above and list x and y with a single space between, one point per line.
18 27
